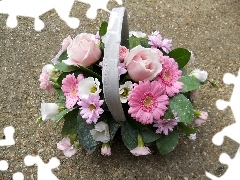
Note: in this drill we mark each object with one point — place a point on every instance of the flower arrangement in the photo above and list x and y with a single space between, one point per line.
155 90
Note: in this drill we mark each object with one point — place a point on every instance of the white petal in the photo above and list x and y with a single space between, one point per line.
49 110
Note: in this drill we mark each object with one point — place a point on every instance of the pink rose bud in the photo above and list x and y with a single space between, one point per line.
200 75
106 151
203 115
142 64
45 76
66 42
83 51
123 53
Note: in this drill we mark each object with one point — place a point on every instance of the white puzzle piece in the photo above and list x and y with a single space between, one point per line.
9 140
232 131
36 8
44 170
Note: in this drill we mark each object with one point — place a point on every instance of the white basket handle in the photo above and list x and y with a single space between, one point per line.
117 31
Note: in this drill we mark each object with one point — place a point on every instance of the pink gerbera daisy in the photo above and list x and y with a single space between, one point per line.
169 76
147 101
90 109
70 89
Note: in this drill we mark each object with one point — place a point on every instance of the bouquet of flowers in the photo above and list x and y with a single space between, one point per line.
155 91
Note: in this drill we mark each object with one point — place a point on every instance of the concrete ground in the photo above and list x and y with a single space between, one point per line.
210 28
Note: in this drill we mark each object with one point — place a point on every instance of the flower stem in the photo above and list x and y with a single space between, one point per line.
57 86
197 113
39 120
105 145
214 84
53 79
140 141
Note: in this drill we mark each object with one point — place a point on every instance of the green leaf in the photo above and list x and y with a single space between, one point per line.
184 71
65 68
190 83
183 107
103 28
186 129
60 92
70 123
85 138
129 136
144 42
167 144
135 123
73 138
60 115
61 102
181 56
133 42
63 56
125 43
149 135
168 114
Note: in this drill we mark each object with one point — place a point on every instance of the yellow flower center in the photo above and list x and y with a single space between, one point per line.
93 89
125 92
167 75
92 107
73 91
147 101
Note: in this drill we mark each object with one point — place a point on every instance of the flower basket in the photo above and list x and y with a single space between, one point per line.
120 80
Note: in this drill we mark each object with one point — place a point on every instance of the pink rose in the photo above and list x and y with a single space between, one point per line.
142 64
123 53
160 54
83 50
66 42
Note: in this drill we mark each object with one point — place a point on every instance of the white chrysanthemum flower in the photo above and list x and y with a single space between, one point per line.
138 34
125 90
88 86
